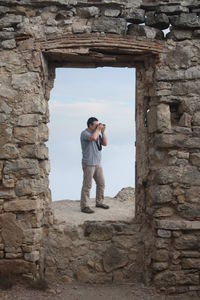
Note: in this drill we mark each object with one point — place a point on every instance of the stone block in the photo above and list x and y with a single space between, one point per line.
161 255
164 233
98 232
30 186
113 259
180 174
110 12
28 82
146 31
32 256
191 263
185 20
177 224
110 25
8 44
22 205
21 167
189 211
88 12
185 120
39 151
9 151
171 278
159 118
27 135
28 120
172 9
9 20
160 194
179 35
160 21
133 15
12 233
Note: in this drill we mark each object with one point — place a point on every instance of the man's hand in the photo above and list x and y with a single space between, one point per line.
103 129
100 127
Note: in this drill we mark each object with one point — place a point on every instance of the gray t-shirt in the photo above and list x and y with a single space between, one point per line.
91 154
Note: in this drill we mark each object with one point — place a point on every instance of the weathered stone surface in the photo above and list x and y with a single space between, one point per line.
112 25
181 174
185 20
159 118
7 193
133 15
98 232
26 82
189 211
109 12
6 134
191 263
21 167
160 266
146 31
12 233
27 135
185 120
160 21
88 12
192 194
161 255
22 205
35 151
172 9
160 194
32 256
28 120
167 278
8 151
164 233
8 44
177 224
30 186
16 266
178 140
114 259
179 35
196 119
187 242
10 20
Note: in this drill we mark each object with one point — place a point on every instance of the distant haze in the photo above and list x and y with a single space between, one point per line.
109 95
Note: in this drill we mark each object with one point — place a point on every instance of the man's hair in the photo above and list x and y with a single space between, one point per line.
91 120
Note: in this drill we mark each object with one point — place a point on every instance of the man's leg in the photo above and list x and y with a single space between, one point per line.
88 172
100 183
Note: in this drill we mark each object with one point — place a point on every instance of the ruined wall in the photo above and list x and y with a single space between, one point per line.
168 110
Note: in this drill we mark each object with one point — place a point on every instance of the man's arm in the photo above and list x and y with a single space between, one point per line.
104 139
94 136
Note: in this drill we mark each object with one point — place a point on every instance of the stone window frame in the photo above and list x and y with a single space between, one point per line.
110 50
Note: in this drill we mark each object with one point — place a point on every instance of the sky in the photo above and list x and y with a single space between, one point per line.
107 93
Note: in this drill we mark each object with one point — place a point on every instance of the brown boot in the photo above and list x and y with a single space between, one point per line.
87 210
102 205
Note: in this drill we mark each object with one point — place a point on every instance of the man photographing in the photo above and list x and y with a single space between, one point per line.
91 144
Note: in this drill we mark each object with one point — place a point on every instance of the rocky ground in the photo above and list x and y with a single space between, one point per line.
89 292
122 208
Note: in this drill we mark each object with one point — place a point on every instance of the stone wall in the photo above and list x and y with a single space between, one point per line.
38 36
95 252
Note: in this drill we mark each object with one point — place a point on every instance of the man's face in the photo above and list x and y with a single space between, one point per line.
94 126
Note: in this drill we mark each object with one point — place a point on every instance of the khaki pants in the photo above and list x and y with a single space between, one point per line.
90 172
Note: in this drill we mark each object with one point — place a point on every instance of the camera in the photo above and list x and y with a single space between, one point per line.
102 124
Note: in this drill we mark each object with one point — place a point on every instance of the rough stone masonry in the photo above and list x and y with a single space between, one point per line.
39 35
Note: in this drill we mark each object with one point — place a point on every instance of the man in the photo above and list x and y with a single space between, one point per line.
91 144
